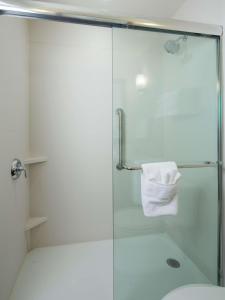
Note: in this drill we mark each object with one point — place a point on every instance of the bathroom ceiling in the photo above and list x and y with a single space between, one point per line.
136 8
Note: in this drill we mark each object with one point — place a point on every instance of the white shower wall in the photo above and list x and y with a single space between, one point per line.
70 123
63 73
14 142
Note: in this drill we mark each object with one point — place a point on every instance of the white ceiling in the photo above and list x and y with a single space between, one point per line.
132 8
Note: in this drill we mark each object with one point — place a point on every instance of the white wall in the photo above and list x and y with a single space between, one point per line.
204 11
135 8
13 143
71 112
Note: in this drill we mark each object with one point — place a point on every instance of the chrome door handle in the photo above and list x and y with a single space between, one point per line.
17 168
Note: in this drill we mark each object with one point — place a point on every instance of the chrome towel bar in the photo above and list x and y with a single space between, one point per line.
122 164
206 164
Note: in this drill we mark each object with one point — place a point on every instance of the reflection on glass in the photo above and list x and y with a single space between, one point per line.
141 81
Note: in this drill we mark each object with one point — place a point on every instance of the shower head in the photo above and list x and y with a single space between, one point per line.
173 46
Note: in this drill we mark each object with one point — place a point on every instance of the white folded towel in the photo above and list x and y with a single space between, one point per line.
159 189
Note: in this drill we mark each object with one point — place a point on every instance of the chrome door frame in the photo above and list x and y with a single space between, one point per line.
67 13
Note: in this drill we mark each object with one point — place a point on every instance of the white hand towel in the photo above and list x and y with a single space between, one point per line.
159 189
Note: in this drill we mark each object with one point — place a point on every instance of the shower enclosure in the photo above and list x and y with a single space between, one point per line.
166 106
166 103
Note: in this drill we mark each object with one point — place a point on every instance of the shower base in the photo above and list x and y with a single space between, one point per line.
149 267
84 271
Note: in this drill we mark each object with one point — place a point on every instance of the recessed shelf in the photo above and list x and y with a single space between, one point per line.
35 160
34 222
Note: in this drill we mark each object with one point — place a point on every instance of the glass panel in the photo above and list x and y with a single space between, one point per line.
166 85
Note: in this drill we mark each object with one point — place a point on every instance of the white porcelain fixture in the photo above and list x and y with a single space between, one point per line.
197 292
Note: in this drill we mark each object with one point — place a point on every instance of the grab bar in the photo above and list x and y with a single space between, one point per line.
122 164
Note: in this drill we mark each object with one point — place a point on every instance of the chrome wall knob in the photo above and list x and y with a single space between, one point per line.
17 168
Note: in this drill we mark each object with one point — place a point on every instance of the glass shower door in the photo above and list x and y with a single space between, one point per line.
165 108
